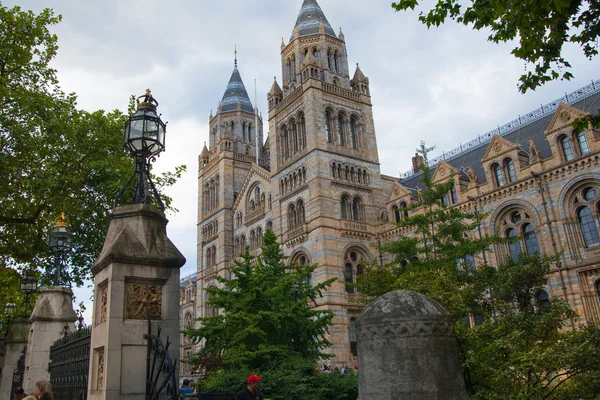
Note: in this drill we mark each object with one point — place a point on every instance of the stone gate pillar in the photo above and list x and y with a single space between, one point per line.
136 275
15 345
53 309
407 350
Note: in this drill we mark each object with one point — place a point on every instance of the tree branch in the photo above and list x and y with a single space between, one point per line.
31 220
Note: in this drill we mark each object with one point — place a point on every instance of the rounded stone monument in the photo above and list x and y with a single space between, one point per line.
407 350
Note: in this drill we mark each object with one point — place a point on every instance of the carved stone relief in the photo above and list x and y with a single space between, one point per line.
103 302
144 299
101 370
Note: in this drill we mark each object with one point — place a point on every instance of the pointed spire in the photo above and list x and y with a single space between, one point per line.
341 35
235 52
275 89
359 76
282 44
236 93
204 153
211 115
309 21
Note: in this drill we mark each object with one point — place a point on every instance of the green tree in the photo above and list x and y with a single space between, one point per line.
267 324
54 157
519 351
541 28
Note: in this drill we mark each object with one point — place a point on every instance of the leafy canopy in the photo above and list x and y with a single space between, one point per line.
519 349
54 157
541 28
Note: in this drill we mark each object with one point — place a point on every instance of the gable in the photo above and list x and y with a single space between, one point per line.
398 192
256 174
563 117
443 172
498 146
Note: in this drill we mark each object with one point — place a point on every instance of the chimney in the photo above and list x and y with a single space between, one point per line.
417 162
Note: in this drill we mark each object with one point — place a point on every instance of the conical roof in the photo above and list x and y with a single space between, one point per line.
275 89
204 153
234 93
309 19
359 76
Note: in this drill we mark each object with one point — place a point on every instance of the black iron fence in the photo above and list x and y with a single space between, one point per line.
69 365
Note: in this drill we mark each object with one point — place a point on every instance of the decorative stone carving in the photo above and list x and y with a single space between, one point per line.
143 300
565 116
103 303
101 370
442 171
472 176
497 146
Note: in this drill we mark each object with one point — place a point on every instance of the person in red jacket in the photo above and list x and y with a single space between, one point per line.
251 391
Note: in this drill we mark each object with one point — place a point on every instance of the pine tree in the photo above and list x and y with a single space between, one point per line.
266 317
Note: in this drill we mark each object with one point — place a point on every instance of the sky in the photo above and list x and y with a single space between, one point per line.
443 85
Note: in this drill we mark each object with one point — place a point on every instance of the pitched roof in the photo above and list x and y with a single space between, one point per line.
309 20
236 93
534 131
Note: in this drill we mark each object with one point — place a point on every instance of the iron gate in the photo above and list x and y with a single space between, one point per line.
18 374
69 365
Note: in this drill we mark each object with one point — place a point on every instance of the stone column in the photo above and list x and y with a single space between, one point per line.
52 311
136 274
407 350
15 345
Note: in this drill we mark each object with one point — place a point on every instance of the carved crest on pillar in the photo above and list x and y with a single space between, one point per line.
103 302
100 370
144 300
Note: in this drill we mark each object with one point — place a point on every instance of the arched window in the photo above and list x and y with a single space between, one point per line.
396 212
453 195
328 127
336 59
188 320
530 238
404 208
341 137
292 217
514 247
250 132
354 259
582 142
301 213
348 277
252 240
542 299
353 346
301 132
357 209
270 225
510 170
353 133
259 237
344 207
567 149
498 175
588 226
329 60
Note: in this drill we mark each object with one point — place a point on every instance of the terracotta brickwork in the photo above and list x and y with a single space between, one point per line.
317 183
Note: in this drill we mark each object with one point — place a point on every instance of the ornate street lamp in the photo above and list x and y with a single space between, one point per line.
9 312
59 243
29 285
144 137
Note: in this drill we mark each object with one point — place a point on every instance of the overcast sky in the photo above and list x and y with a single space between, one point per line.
444 86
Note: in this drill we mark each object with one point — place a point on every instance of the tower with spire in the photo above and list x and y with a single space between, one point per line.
317 185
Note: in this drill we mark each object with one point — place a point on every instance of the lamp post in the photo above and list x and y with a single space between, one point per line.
9 312
59 243
29 285
144 137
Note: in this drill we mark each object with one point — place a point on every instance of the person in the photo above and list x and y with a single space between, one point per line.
250 392
193 386
43 391
19 393
185 389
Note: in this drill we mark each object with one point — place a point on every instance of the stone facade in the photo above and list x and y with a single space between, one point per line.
187 314
316 181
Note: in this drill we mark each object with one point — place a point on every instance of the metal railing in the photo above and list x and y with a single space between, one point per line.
523 120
